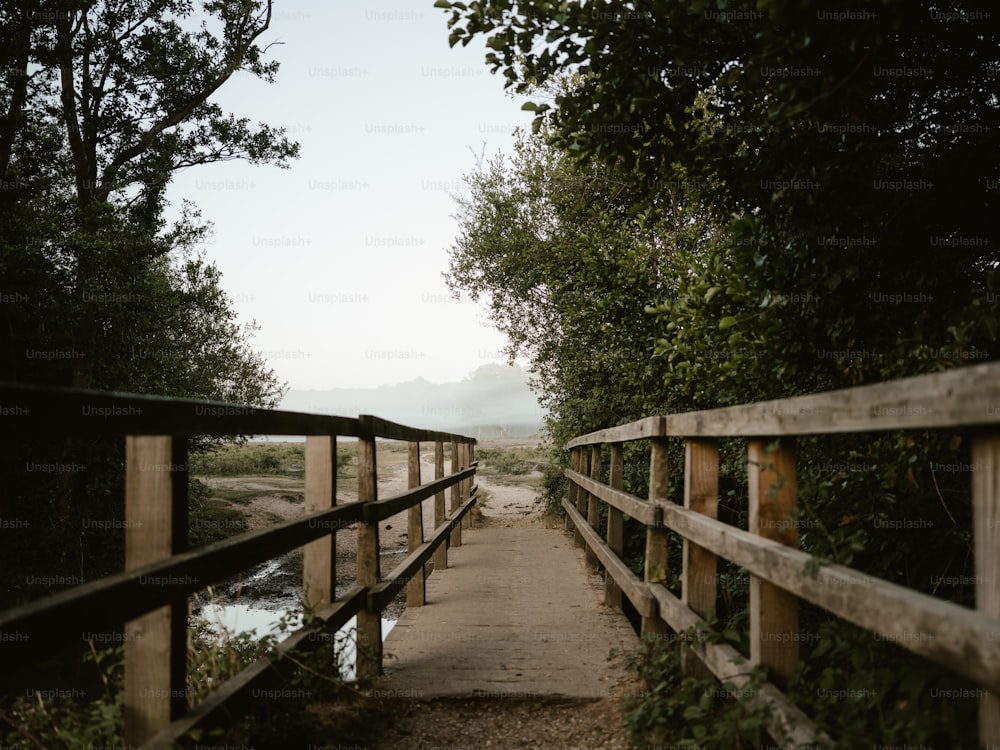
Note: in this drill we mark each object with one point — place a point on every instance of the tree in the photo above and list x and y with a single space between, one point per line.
100 104
129 87
847 156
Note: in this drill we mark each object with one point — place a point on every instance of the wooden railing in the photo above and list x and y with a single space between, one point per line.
963 640
151 596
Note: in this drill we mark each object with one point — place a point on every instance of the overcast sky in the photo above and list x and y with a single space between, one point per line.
339 259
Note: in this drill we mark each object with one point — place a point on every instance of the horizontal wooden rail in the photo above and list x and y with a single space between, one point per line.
233 694
638 508
150 597
965 641
382 593
381 509
962 397
627 581
65 617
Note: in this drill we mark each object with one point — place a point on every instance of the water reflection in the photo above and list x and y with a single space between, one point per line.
242 618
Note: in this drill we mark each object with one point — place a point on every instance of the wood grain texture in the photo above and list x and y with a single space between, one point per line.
369 573
319 574
657 562
986 544
616 528
415 589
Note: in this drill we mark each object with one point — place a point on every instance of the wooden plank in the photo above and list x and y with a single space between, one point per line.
728 665
637 591
231 698
441 555
636 507
383 428
774 613
319 574
456 496
466 486
986 544
701 495
383 593
643 428
616 535
593 507
34 629
961 397
656 559
961 639
154 656
390 506
40 410
369 620
415 591
572 488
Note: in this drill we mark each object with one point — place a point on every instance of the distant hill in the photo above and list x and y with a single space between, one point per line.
493 401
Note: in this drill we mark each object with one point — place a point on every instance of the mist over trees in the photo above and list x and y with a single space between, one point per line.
725 202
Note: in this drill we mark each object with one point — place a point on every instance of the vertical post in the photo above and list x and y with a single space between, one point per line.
701 494
593 504
415 589
465 452
986 545
655 571
571 494
441 553
471 457
156 528
319 579
369 619
774 613
456 497
616 536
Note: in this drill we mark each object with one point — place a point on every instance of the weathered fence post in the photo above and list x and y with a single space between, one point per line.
441 553
369 619
456 497
701 494
571 495
156 527
616 532
593 505
655 569
986 546
319 573
774 613
415 588
464 450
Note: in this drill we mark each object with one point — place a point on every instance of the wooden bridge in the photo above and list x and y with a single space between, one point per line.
488 627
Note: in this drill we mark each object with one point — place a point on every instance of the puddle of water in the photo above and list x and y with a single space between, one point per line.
240 618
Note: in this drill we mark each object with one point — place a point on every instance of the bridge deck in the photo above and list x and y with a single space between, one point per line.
515 615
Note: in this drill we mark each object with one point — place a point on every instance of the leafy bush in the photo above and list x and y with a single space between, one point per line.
683 711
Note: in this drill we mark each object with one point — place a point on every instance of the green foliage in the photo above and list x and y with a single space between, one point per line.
509 460
868 688
683 711
806 196
242 459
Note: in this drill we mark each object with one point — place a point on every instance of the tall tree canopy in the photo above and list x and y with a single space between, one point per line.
102 103
725 202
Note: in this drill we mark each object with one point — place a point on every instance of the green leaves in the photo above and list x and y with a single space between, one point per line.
727 322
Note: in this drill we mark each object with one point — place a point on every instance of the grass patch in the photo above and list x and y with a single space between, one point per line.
512 461
276 459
